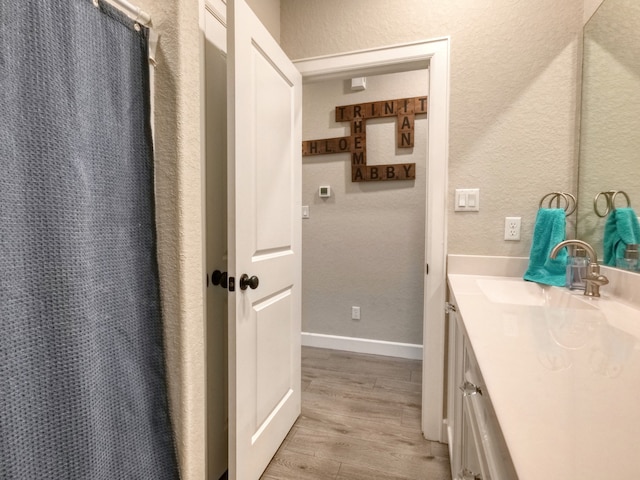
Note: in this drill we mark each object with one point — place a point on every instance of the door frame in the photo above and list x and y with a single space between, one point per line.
216 434
434 55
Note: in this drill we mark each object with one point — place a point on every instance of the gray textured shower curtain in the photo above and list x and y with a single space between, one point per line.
82 377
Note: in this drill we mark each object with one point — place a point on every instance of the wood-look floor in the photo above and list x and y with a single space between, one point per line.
360 421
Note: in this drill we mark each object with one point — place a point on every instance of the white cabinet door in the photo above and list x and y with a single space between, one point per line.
264 225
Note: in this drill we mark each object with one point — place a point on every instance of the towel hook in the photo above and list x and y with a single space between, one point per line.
573 201
554 196
606 196
610 201
569 201
624 194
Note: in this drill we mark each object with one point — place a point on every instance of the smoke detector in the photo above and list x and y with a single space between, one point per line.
359 83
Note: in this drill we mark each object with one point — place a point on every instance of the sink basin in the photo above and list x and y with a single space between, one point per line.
562 308
520 292
567 319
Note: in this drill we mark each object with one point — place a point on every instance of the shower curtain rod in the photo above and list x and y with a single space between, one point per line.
132 11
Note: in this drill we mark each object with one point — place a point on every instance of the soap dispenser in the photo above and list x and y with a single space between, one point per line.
577 264
630 260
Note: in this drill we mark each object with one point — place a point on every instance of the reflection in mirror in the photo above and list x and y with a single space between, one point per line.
610 125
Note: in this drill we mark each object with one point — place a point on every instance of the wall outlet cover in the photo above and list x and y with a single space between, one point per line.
512 228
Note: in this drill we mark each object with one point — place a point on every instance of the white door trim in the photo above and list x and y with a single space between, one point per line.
435 55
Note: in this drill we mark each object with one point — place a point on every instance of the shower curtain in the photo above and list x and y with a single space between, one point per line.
82 376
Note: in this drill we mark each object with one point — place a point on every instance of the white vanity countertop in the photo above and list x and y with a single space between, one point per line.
565 385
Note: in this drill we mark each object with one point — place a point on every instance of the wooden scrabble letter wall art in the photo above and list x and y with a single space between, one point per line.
404 109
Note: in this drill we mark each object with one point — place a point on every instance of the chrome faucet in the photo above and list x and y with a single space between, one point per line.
594 279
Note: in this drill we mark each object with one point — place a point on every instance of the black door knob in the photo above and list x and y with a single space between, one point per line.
216 276
219 278
248 282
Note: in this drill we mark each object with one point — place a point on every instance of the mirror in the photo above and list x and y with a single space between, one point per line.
610 125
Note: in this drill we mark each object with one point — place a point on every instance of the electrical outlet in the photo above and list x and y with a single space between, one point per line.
512 228
355 313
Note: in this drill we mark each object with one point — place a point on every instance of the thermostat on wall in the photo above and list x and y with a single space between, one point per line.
325 192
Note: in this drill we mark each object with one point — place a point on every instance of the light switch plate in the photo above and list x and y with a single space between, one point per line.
467 200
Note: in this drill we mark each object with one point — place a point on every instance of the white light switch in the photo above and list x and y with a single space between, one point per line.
467 200
305 211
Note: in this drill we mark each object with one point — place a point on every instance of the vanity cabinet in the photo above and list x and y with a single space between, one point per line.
558 377
476 446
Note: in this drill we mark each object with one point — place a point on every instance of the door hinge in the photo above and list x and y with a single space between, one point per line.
427 269
449 307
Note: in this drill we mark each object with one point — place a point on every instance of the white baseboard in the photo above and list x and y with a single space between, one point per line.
363 345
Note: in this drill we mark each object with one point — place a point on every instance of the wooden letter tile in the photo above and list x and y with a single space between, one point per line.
405 130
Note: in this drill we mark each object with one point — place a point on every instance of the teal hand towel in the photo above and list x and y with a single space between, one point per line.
620 230
550 229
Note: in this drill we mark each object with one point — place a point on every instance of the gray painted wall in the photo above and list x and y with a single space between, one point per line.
363 246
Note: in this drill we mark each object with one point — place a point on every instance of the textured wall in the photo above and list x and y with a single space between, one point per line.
514 86
590 6
364 246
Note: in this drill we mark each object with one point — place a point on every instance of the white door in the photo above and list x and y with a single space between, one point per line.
264 228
